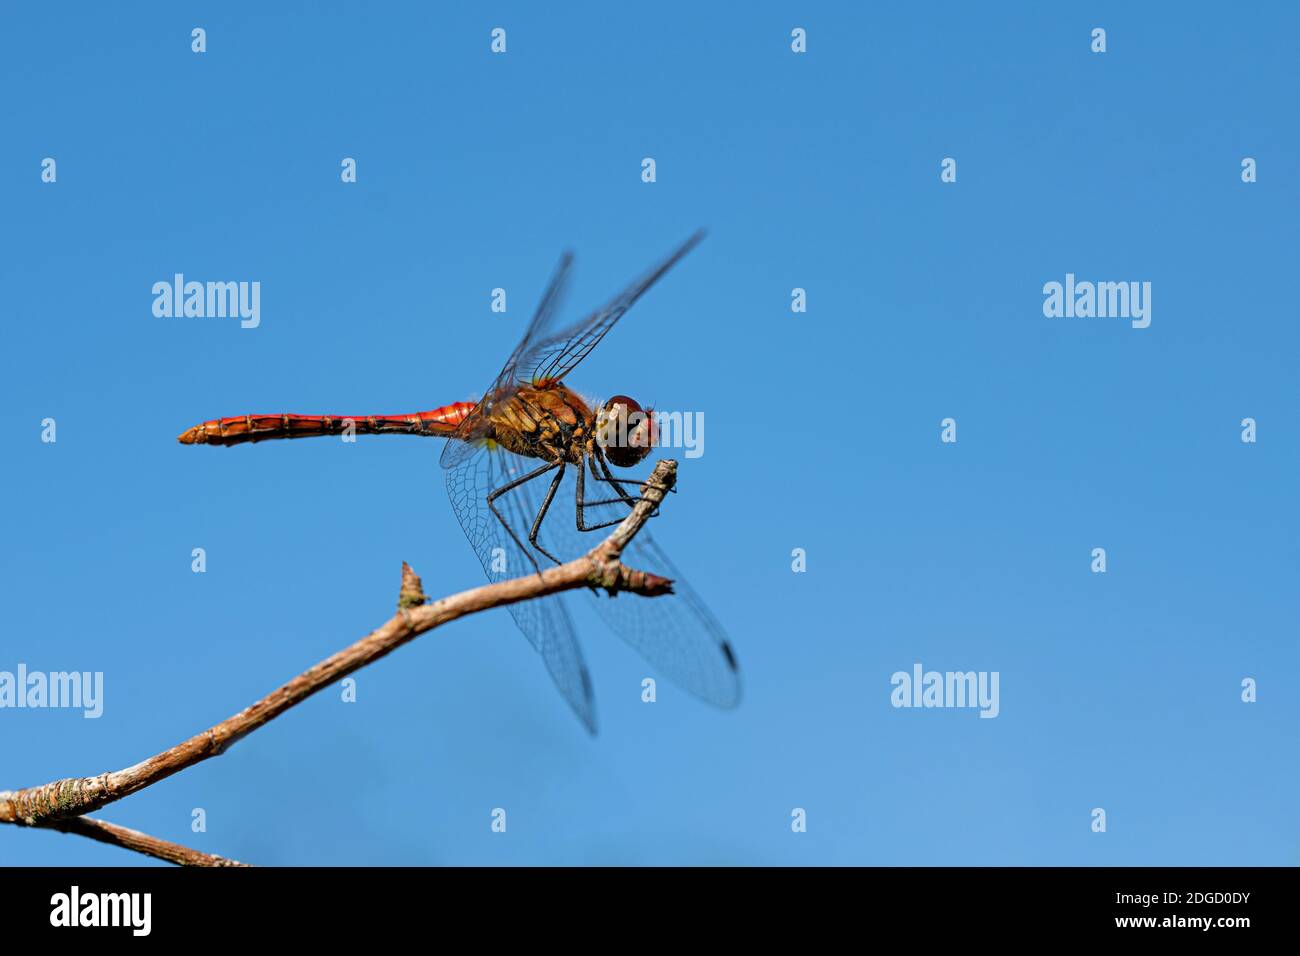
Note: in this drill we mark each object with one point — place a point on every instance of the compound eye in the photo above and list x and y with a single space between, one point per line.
627 433
628 405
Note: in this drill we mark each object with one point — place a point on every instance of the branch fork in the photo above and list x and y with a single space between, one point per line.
61 804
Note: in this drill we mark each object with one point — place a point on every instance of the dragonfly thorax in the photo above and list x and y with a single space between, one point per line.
551 423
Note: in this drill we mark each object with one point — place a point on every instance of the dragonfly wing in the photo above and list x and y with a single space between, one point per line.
544 621
545 355
675 633
552 357
469 438
475 424
543 319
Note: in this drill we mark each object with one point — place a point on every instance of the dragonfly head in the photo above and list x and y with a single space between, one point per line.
626 431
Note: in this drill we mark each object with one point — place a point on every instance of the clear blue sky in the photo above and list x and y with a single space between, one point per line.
1118 690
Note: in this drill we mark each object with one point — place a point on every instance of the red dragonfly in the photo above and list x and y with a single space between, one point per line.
530 426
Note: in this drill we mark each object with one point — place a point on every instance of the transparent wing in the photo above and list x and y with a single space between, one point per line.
676 633
544 357
476 423
545 621
543 319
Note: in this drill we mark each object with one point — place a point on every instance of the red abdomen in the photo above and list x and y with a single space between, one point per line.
438 423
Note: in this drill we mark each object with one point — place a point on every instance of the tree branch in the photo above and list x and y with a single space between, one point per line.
111 833
62 800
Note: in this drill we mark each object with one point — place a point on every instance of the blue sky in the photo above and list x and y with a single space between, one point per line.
924 301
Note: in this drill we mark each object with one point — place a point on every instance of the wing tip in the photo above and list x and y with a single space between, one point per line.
588 713
733 666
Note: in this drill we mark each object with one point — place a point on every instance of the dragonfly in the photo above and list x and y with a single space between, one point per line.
527 443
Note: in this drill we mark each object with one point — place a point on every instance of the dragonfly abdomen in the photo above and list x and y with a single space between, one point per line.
438 423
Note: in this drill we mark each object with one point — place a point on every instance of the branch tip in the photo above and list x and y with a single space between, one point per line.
412 591
643 583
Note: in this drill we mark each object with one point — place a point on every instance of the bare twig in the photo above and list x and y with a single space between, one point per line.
62 800
106 832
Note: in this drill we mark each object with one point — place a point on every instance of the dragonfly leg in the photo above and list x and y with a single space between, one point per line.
624 497
606 501
541 513
496 493
619 482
